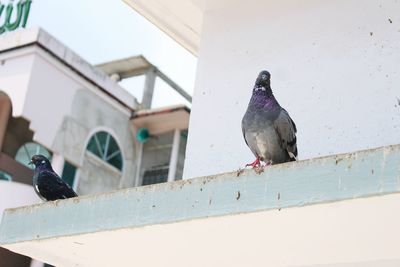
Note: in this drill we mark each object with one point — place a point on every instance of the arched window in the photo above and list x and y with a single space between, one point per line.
26 151
104 146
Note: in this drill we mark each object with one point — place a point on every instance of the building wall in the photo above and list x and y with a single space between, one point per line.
63 110
15 73
334 67
96 177
90 114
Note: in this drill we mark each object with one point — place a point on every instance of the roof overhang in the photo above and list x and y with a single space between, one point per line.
138 65
162 120
127 67
180 19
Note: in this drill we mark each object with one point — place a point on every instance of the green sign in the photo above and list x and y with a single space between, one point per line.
13 16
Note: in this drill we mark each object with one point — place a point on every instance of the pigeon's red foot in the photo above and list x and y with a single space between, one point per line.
255 163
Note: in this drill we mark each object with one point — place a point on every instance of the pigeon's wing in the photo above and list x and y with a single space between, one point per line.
52 187
244 134
286 130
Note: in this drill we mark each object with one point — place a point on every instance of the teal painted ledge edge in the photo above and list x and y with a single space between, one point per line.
333 178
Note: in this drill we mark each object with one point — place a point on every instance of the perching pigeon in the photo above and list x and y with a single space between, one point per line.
267 128
47 184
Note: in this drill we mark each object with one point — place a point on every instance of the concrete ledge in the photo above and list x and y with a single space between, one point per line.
333 178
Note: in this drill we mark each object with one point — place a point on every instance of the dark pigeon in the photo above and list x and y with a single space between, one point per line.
267 128
47 184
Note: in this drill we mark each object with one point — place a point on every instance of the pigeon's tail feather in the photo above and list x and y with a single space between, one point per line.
292 150
292 156
286 130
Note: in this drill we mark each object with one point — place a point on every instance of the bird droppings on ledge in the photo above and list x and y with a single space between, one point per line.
390 21
238 195
55 202
338 160
239 172
350 165
259 169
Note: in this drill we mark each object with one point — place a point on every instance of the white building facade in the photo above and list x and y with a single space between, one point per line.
53 102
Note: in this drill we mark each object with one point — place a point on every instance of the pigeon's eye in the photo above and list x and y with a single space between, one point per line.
264 76
43 162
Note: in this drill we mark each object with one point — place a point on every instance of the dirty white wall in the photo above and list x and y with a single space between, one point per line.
335 68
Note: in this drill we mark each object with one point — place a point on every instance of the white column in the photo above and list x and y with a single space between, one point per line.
76 179
173 162
138 180
57 162
148 88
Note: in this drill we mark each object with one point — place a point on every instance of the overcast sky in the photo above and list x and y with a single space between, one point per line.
104 30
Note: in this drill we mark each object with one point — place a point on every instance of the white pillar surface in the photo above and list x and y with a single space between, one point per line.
148 91
174 155
138 179
57 162
334 67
